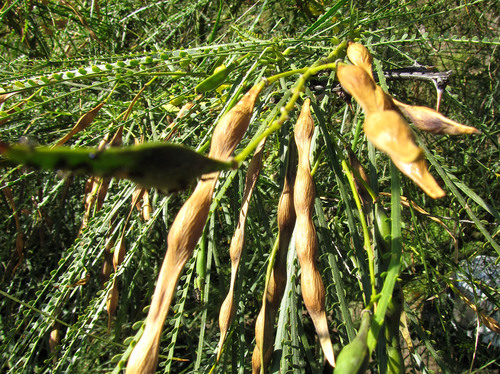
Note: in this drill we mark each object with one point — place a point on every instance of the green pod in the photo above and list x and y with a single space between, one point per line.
354 357
164 166
395 361
215 80
383 227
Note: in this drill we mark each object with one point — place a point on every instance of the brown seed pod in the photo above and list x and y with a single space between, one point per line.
359 56
228 307
389 132
277 282
429 120
185 232
357 82
313 290
418 172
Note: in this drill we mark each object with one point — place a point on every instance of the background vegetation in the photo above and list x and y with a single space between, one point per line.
53 281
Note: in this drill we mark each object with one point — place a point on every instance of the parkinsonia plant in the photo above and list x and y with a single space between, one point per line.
201 212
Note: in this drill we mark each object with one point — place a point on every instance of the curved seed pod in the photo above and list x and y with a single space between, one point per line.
418 172
357 82
165 166
359 56
313 290
185 232
215 80
112 302
389 132
277 282
429 120
228 307
354 357
383 227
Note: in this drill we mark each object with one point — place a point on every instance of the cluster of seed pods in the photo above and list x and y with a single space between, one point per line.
385 125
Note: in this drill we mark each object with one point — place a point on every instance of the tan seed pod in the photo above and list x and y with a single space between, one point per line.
228 307
313 290
358 83
384 100
359 56
429 120
418 172
389 132
112 302
277 282
185 232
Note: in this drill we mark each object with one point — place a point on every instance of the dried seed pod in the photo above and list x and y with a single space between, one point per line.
112 302
357 82
228 307
359 56
313 290
354 357
184 234
429 120
418 172
390 133
277 282
384 100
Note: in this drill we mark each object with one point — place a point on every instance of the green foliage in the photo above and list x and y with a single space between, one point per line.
59 60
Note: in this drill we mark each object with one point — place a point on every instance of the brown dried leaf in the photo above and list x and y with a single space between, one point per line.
389 132
82 124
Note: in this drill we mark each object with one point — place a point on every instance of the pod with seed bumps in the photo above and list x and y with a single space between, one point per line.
429 120
306 242
168 167
277 282
185 231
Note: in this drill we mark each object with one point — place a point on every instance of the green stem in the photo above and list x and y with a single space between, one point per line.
364 226
394 265
285 110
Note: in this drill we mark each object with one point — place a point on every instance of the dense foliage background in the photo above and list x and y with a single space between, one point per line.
53 315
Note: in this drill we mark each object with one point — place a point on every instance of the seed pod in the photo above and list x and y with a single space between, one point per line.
417 171
165 166
112 302
313 290
384 100
185 232
228 307
390 133
383 227
354 357
215 80
359 56
357 82
277 282
429 120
